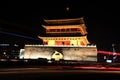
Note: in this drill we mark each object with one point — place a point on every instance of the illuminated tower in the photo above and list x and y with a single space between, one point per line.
65 32
65 39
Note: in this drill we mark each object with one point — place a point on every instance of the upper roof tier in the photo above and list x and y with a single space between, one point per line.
65 21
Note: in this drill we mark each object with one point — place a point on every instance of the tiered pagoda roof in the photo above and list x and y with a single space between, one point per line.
65 31
65 21
65 26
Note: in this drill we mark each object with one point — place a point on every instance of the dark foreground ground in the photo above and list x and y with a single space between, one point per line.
12 70
57 74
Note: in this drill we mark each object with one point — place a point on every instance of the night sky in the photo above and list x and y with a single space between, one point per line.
25 18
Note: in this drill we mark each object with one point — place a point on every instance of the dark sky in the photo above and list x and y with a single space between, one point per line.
25 17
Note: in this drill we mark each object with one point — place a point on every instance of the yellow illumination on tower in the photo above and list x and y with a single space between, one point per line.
63 29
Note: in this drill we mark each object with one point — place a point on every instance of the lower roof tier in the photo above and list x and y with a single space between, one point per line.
65 40
66 29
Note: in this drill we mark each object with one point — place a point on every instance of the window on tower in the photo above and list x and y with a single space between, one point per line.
52 30
63 30
74 29
67 29
58 30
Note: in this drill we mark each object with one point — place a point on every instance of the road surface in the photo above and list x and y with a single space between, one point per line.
58 73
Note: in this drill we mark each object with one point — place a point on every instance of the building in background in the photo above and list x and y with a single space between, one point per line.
9 51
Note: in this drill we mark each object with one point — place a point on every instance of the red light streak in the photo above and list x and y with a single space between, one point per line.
108 52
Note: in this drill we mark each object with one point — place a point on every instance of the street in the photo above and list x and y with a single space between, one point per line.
57 73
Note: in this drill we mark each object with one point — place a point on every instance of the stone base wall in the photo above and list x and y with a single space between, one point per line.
69 53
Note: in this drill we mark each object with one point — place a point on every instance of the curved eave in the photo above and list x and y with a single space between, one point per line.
63 26
81 26
64 20
62 37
